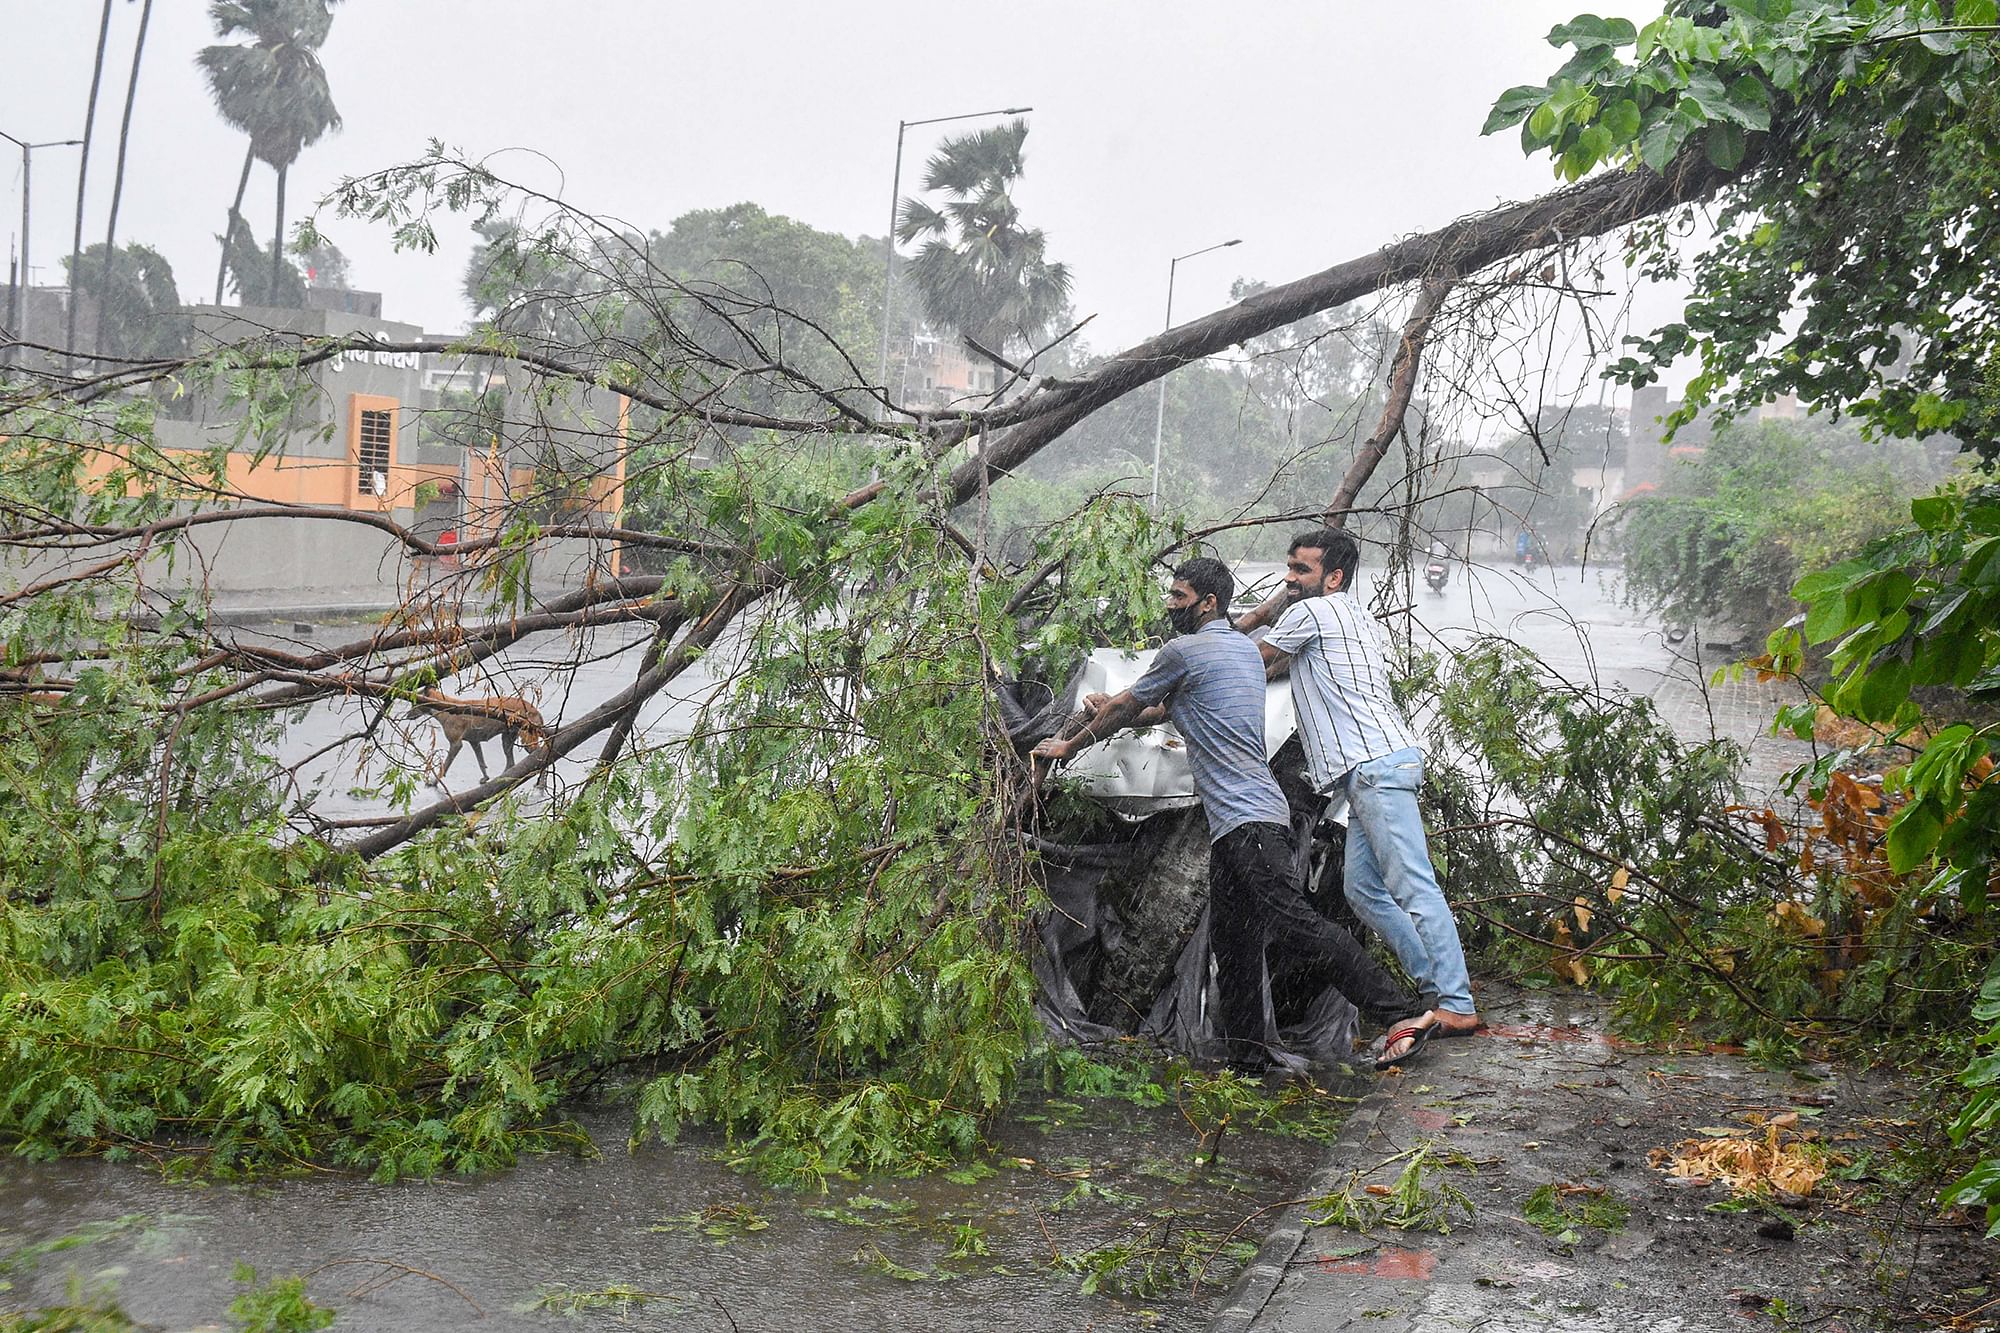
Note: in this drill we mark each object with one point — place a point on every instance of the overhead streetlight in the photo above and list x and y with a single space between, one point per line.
20 315
1160 412
895 201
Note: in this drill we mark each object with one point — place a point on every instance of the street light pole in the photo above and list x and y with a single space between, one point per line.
1160 410
895 200
27 167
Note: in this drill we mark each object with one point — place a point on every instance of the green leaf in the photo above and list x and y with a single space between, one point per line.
1750 102
1931 511
1706 97
1512 106
1963 654
1621 120
1912 834
1661 142
1797 718
1884 689
1588 30
1649 37
1936 413
1818 584
1883 595
1725 146
1785 68
1946 611
1827 616
1987 1007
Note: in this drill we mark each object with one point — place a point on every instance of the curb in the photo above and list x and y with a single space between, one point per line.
1259 1282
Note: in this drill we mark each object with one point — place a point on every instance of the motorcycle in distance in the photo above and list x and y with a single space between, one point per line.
1436 573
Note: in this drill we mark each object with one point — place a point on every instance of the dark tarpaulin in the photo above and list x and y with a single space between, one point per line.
1122 950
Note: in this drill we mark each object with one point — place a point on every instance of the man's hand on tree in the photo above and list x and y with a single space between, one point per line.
1054 749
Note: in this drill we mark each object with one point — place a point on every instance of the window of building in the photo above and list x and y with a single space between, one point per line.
376 432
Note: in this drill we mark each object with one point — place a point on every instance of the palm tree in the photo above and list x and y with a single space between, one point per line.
273 89
979 270
83 175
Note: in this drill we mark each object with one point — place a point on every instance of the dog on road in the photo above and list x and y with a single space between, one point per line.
476 721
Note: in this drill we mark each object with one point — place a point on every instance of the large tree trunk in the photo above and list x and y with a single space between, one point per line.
82 177
1158 895
1462 248
229 225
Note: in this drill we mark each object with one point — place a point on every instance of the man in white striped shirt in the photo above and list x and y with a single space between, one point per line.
1359 744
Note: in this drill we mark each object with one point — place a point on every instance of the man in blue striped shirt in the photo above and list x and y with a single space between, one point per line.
1210 682
1358 744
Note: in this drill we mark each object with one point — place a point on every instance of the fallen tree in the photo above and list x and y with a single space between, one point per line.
803 920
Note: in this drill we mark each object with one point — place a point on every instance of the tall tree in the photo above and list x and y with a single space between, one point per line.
124 141
252 275
83 168
272 88
979 271
135 286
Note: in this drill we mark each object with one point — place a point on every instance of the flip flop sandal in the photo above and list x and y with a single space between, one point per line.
1417 1034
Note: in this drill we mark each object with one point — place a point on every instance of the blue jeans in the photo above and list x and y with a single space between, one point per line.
1390 883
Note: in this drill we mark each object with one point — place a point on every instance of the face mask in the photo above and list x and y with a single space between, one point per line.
1185 619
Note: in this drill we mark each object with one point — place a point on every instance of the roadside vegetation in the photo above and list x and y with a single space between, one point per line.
1848 268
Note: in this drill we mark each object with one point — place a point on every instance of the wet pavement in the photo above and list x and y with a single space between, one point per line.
1546 1101
1548 1098
676 1237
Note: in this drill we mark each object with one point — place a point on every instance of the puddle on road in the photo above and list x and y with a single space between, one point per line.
1074 1187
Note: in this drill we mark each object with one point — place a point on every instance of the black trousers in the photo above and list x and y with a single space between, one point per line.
1254 905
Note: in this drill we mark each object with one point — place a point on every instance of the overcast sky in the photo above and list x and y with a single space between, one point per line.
1313 131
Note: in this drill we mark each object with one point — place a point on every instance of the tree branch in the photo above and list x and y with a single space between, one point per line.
1402 382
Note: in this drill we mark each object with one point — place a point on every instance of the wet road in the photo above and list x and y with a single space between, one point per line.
699 1246
565 675
1572 617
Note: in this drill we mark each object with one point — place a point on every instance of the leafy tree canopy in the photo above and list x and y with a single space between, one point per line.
325 265
1852 263
142 316
254 277
1733 528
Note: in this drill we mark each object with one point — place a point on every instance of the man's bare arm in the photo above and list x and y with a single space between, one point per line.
1276 661
1265 611
1108 716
